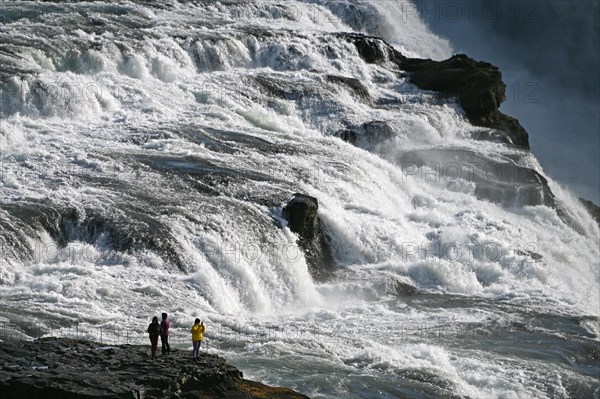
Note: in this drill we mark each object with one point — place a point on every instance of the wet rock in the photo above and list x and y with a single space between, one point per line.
367 135
371 49
139 231
534 256
355 86
493 135
396 286
527 188
63 368
288 90
18 222
478 85
301 214
511 130
499 181
593 209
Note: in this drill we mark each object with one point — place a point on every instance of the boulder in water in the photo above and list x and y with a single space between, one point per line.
301 214
401 287
368 134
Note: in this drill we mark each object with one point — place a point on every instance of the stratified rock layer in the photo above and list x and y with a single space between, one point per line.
68 369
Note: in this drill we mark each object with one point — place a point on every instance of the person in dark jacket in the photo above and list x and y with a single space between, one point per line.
154 332
164 335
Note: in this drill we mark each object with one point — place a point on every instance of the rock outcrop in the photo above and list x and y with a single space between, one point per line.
301 214
477 85
367 135
372 49
400 287
480 90
68 369
593 209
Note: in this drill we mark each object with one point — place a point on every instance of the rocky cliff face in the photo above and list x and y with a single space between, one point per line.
477 85
480 90
68 369
593 209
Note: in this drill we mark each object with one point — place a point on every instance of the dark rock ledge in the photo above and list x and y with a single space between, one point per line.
593 209
477 85
54 368
479 88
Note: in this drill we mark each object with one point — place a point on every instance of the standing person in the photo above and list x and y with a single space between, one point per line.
154 332
197 336
164 334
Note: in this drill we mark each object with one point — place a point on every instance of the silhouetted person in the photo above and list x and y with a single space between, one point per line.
197 336
164 334
154 332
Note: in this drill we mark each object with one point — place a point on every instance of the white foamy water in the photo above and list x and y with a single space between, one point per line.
147 151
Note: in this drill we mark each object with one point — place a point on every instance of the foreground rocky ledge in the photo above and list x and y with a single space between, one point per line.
68 369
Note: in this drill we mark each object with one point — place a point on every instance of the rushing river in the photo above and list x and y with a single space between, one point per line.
146 151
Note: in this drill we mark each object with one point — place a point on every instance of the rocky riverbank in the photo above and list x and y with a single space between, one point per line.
68 369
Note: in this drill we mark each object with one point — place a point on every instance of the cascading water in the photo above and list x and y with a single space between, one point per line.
147 149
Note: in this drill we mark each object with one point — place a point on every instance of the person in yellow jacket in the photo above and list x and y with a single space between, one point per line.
197 336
